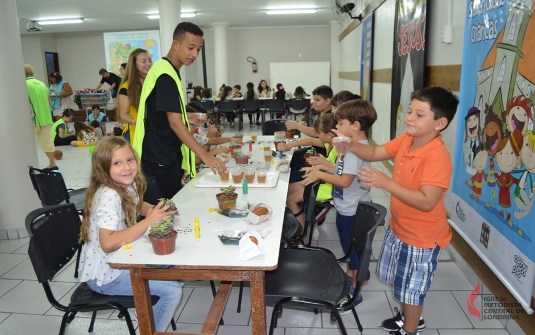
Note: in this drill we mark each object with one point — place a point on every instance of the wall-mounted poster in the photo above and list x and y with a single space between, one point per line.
408 64
119 45
366 59
493 184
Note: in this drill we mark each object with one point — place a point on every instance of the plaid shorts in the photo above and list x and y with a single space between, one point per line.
410 270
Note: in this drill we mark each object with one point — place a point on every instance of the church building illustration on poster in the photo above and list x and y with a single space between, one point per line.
493 184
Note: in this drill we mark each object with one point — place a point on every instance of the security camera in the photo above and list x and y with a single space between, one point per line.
32 26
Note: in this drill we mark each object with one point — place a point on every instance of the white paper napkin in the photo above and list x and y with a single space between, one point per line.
248 249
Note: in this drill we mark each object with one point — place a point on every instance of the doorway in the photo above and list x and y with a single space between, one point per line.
52 62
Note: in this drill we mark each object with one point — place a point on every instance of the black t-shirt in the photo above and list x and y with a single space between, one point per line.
112 79
161 145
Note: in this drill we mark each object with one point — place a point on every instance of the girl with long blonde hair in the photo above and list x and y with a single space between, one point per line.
139 64
113 202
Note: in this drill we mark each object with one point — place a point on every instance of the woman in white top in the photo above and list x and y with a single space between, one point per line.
113 203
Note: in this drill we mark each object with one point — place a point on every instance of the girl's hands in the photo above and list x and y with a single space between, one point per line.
212 131
373 178
158 213
318 160
311 176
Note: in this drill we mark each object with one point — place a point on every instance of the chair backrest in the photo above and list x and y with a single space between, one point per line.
299 104
250 105
227 105
309 200
50 186
208 105
275 105
368 217
53 235
269 127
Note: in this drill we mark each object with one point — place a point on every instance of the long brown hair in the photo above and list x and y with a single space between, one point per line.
100 176
134 78
79 126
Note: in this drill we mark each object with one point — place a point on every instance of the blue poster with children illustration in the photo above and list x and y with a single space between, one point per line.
493 183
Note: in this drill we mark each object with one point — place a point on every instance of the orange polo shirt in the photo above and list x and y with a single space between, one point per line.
429 165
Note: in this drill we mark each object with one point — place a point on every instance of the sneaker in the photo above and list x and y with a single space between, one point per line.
396 323
258 123
357 303
401 332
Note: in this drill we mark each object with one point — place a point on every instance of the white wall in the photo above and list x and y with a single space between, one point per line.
81 55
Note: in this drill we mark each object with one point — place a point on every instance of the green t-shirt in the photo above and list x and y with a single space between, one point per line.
38 94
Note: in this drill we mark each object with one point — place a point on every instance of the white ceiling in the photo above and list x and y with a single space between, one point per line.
117 15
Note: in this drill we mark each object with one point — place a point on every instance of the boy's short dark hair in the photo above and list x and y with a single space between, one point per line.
190 109
357 110
102 71
186 27
324 91
95 106
95 124
442 102
238 87
123 65
68 112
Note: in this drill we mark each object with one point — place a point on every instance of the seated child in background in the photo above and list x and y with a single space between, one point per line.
299 93
85 135
96 114
207 95
236 91
280 94
228 95
251 95
354 118
98 132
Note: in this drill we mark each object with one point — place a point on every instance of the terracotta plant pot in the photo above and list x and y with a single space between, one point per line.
226 203
290 133
244 160
306 155
163 246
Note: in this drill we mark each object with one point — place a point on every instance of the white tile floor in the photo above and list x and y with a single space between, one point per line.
24 308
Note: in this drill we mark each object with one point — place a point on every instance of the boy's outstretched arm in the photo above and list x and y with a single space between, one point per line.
367 152
424 199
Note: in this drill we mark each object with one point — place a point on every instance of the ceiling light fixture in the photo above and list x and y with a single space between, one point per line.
183 14
292 11
60 21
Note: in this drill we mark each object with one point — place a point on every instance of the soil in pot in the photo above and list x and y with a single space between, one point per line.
244 160
163 246
226 203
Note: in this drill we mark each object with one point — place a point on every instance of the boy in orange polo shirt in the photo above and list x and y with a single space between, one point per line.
418 229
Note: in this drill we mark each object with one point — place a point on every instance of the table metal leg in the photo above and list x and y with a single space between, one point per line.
258 302
142 300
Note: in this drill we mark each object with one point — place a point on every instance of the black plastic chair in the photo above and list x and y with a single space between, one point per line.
269 127
274 106
53 235
250 107
311 276
226 106
209 106
298 104
51 189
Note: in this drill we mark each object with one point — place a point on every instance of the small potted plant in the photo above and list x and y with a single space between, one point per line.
77 99
172 206
310 153
290 133
220 128
242 158
163 236
238 135
227 197
234 147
